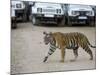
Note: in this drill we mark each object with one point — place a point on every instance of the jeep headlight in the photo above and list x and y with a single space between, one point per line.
58 11
39 9
12 6
75 13
90 13
18 5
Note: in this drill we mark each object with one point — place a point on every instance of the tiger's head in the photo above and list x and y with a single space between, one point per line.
47 38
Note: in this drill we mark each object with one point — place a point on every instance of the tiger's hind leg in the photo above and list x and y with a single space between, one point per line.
88 50
75 51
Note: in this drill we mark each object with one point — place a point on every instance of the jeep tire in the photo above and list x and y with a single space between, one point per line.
62 22
69 22
13 23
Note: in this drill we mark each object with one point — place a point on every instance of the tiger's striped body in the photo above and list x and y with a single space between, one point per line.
67 41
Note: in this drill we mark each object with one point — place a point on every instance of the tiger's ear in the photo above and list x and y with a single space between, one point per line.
44 32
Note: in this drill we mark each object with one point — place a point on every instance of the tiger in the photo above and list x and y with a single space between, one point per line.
62 41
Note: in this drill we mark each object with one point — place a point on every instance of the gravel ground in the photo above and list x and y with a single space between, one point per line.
28 50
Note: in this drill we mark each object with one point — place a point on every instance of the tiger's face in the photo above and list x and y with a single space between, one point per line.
47 38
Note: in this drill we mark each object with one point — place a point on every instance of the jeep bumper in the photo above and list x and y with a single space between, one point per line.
48 18
81 19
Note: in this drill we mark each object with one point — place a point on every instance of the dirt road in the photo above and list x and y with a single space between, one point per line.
28 50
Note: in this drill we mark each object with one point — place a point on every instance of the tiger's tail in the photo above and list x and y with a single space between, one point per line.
91 45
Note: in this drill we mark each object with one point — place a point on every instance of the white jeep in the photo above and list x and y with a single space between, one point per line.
47 13
80 14
13 19
19 9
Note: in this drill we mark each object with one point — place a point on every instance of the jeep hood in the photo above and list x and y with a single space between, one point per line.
48 5
80 7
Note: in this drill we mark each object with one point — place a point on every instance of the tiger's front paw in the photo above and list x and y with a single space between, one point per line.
45 59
